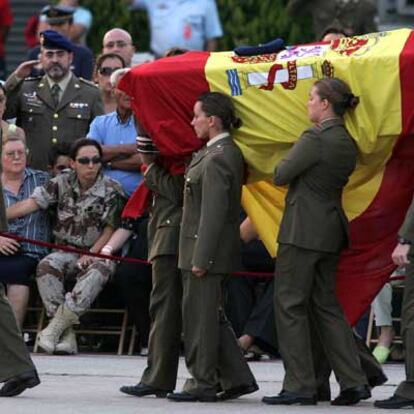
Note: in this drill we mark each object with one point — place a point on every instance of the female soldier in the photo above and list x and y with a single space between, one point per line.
313 232
209 244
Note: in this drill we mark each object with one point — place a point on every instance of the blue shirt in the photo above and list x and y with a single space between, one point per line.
109 130
32 226
181 23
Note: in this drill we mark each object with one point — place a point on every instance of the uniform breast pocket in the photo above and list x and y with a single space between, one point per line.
79 120
96 212
192 187
33 116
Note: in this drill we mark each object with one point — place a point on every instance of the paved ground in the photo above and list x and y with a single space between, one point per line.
89 384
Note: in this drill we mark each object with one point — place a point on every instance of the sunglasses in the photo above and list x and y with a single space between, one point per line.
107 71
87 160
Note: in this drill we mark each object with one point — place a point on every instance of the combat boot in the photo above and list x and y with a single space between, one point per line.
67 344
49 337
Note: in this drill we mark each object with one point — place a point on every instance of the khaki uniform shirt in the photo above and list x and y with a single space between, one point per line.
316 169
210 237
165 212
31 103
81 217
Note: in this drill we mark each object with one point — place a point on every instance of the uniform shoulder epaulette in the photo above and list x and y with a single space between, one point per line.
216 149
88 82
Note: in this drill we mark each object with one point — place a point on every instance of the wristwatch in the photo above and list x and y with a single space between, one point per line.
401 240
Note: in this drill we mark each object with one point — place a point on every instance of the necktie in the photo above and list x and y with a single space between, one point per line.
55 94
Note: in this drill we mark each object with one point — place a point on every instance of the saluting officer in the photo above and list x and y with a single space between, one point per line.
57 107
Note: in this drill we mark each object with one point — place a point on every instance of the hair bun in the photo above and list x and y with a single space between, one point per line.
351 101
236 122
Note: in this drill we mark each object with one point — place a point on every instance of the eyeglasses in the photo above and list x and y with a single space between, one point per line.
14 154
87 160
107 71
118 43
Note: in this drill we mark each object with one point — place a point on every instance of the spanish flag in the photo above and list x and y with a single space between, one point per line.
270 93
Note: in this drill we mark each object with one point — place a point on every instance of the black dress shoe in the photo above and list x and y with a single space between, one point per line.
353 395
323 396
237 392
377 380
289 398
16 385
323 393
187 397
394 402
141 390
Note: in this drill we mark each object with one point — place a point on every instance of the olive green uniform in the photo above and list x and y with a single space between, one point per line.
209 239
166 294
313 231
31 103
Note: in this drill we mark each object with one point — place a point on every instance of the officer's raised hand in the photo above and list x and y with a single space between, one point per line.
25 68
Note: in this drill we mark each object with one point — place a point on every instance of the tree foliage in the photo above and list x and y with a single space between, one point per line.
244 22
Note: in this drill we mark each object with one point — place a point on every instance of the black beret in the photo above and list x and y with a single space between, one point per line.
271 47
50 39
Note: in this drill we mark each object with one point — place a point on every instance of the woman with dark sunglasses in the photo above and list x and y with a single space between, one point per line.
87 206
105 65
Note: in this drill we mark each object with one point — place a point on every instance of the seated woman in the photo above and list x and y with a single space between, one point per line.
87 206
18 261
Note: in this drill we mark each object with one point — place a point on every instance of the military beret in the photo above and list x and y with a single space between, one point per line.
57 14
50 39
272 47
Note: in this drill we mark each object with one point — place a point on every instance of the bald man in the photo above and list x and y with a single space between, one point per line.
119 41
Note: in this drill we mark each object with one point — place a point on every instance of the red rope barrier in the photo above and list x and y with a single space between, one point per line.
70 249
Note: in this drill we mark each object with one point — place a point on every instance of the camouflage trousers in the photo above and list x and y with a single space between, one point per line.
58 269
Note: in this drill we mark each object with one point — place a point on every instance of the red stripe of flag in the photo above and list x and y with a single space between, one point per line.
365 267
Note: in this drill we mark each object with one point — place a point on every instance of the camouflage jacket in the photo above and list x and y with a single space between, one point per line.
81 217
